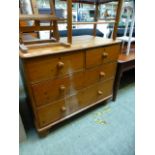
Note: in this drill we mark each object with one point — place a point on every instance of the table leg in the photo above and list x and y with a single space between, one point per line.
117 81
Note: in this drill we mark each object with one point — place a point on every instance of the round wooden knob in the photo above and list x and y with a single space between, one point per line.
60 64
63 108
62 87
105 55
100 92
102 74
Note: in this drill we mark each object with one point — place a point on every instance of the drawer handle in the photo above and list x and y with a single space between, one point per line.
102 74
60 64
105 55
62 88
100 92
63 109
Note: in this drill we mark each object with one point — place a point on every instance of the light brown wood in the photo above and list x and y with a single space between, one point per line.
54 22
35 11
69 21
93 75
53 112
79 43
43 92
118 13
98 56
63 109
100 92
42 69
125 58
50 113
66 81
110 53
40 17
62 88
90 94
102 74
47 127
36 23
95 19
43 44
35 41
60 65
35 28
28 90
37 17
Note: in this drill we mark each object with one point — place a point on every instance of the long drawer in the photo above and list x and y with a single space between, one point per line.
98 56
62 108
50 67
51 90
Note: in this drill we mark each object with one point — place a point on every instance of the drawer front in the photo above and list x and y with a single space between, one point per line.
90 95
59 109
54 66
85 97
100 73
93 57
98 56
51 90
111 53
97 92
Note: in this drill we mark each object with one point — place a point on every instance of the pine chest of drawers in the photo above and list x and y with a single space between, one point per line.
62 82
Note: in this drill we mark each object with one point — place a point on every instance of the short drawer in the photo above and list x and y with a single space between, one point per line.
90 95
98 56
62 108
100 73
47 67
50 90
97 92
111 53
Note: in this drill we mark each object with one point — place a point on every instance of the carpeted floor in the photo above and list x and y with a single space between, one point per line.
107 129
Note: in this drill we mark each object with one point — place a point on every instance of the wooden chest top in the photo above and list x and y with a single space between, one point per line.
79 43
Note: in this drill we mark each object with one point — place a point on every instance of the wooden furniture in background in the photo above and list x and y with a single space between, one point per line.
124 63
36 27
126 60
